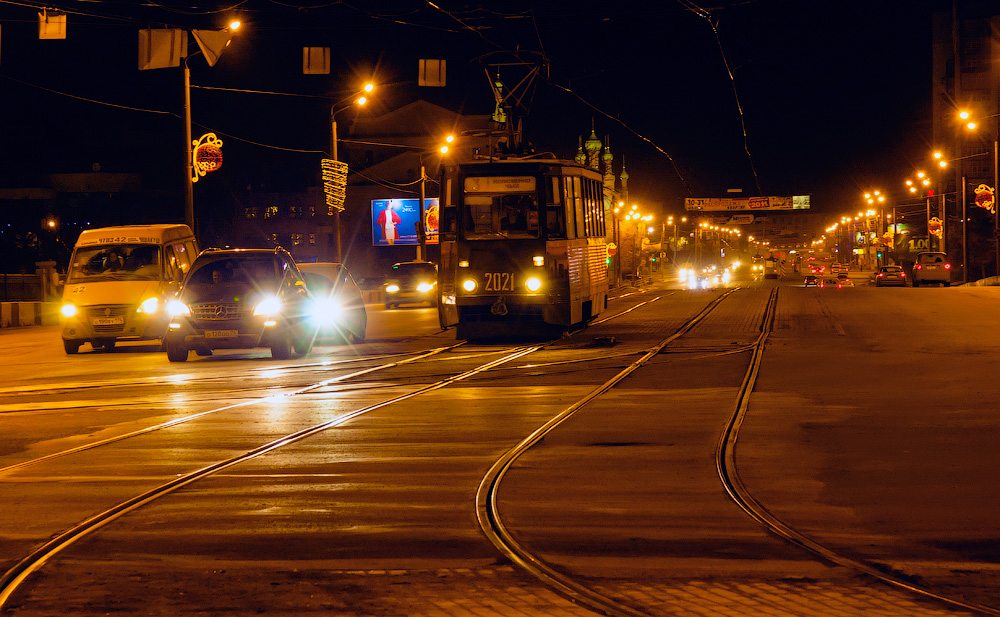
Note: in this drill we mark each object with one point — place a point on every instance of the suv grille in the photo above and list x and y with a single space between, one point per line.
219 311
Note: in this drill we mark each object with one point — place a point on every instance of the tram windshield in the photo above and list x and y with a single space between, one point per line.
507 215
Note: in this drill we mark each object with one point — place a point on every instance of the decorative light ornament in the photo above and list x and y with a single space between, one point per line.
206 155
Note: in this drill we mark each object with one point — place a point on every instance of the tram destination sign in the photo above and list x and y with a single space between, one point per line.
742 204
500 184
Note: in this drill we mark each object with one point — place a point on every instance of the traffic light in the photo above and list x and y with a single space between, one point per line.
879 254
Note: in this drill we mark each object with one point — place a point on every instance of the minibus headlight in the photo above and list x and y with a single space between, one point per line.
149 305
424 287
533 284
68 310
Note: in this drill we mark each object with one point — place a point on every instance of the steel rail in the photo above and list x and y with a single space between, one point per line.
13 578
740 494
487 506
182 420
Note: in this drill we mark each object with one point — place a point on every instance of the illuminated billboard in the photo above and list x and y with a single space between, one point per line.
738 204
394 221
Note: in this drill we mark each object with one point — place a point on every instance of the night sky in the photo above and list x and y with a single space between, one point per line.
835 93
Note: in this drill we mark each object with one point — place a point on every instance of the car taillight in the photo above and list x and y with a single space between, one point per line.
947 266
881 274
917 267
902 275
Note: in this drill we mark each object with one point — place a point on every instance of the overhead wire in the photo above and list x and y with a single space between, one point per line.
707 16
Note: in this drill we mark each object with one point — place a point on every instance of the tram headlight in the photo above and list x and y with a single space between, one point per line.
538 260
69 310
469 285
533 284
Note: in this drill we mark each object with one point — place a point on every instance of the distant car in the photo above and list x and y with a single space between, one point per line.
829 281
888 276
837 267
240 299
411 282
931 267
337 308
811 279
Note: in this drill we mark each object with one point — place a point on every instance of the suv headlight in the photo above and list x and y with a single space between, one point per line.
391 288
175 308
268 306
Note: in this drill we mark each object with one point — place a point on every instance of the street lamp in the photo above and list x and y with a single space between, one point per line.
971 125
211 44
360 100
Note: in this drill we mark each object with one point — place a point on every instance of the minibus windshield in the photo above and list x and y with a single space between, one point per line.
116 262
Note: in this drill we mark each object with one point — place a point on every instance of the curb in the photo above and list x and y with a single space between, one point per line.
17 314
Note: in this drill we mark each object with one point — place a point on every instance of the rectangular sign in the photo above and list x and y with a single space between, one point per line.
740 204
500 184
394 221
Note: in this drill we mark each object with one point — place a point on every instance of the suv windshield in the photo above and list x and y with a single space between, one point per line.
226 277
116 262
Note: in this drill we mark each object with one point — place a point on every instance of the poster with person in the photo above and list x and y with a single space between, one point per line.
394 221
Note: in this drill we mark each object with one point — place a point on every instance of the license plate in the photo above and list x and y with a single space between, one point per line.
109 321
221 333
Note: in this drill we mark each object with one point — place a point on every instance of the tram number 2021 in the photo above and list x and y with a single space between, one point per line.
499 281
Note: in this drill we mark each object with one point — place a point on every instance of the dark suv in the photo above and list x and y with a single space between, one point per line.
411 282
240 299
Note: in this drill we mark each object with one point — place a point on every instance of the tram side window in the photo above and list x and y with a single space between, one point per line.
581 231
555 213
568 206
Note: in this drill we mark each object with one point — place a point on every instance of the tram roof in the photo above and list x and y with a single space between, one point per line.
526 163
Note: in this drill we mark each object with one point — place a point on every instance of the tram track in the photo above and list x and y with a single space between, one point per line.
492 524
487 502
16 575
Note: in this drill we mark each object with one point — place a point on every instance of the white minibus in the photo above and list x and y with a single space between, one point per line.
119 281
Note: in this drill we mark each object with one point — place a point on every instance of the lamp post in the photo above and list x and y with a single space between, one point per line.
971 125
211 44
360 101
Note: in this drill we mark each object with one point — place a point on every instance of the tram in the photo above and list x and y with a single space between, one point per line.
523 248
